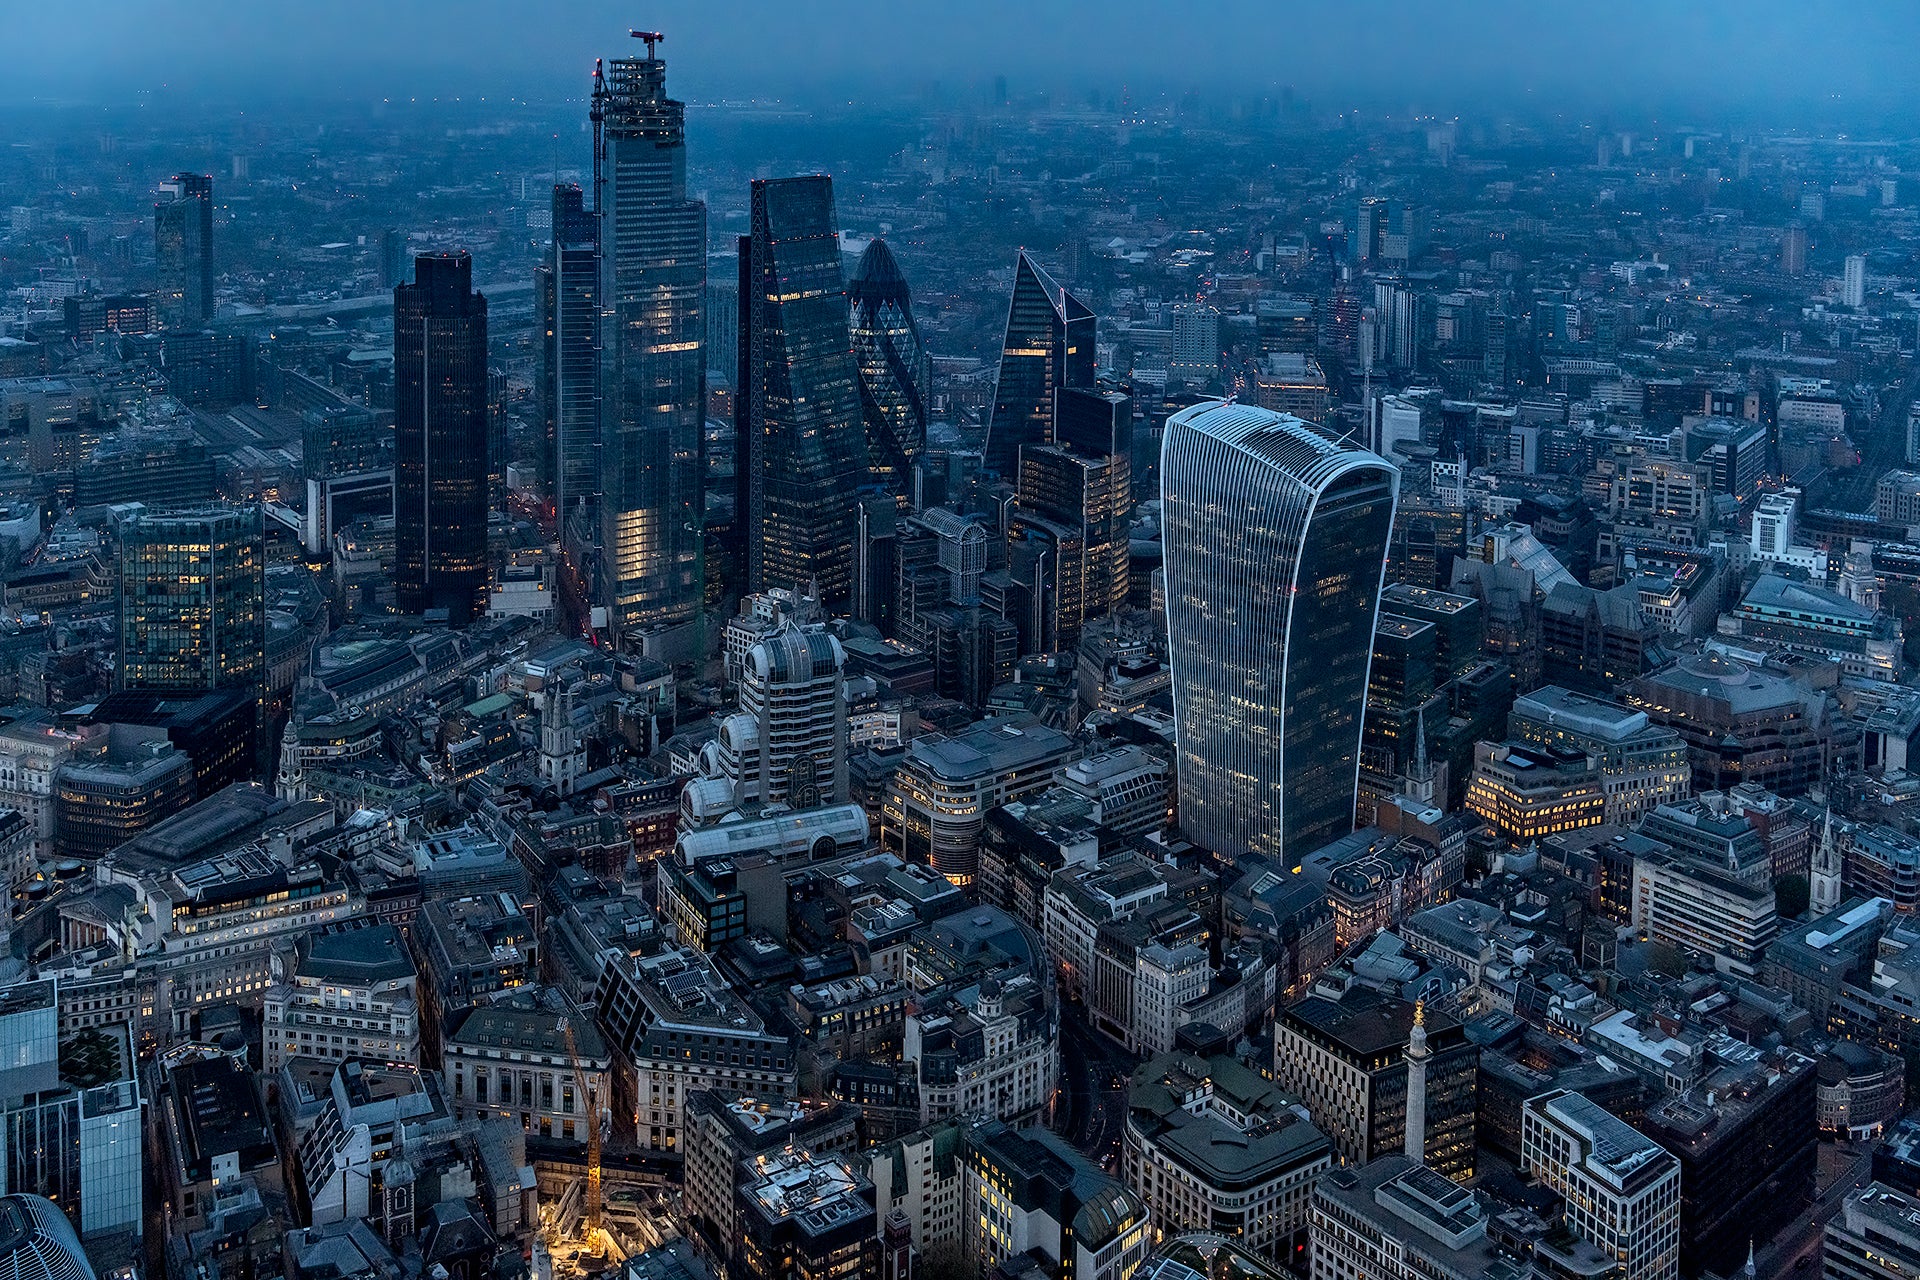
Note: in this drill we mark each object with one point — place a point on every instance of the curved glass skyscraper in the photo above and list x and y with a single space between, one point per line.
896 374
1275 542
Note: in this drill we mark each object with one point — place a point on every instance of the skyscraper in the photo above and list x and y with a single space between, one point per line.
1854 283
1275 545
1075 494
183 250
653 371
1048 346
440 429
802 442
896 374
193 611
567 283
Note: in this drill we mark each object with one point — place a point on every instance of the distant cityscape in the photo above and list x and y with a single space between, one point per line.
978 688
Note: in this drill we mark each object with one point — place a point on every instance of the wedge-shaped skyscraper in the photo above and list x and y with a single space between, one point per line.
802 441
896 374
1048 347
1275 545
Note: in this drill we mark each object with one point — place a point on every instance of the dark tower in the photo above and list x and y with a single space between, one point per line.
183 250
569 371
804 441
896 374
440 426
1048 347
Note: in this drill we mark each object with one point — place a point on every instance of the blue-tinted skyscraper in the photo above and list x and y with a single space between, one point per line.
802 438
1275 546
568 286
653 371
1048 347
183 250
440 439
896 374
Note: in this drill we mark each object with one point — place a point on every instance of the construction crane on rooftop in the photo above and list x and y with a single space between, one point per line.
591 1218
651 37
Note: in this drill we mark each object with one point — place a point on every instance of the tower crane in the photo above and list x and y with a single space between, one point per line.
651 37
592 1217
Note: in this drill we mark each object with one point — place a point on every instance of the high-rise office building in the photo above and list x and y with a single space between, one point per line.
1075 496
653 370
896 374
1276 539
1048 346
192 601
803 449
1196 345
567 283
440 428
183 250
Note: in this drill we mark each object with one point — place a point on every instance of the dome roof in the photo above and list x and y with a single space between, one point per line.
877 279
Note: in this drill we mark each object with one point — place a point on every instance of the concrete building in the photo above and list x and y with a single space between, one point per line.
788 741
349 994
1211 1146
1392 1219
938 798
1875 1234
679 1028
1641 765
1529 792
1027 1192
1347 1060
1622 1191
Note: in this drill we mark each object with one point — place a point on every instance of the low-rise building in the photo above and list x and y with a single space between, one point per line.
348 994
679 1028
513 1057
1641 765
1622 1191
1212 1146
1346 1059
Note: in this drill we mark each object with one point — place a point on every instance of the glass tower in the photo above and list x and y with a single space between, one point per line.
1076 495
653 371
896 374
568 287
1275 546
1048 346
440 430
193 610
802 435
183 250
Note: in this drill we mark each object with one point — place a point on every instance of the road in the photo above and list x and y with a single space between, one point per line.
1841 1170
1092 1114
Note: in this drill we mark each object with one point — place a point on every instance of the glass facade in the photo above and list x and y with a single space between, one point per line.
1275 546
441 428
183 250
570 353
1077 494
193 601
653 365
1048 346
896 374
804 440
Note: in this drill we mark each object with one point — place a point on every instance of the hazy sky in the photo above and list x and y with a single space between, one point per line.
1625 54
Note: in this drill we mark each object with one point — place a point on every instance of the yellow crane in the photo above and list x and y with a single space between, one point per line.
592 1217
